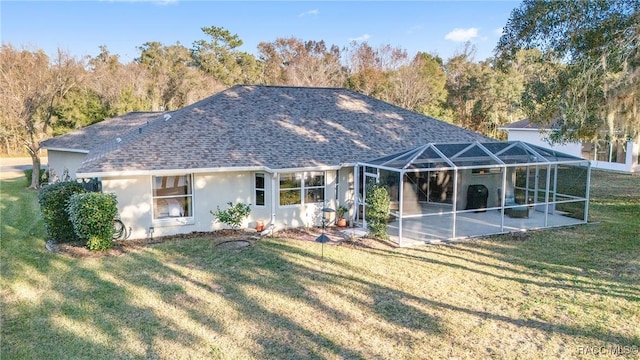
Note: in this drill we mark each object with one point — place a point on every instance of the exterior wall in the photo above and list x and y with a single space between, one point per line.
535 138
134 203
493 182
306 215
211 190
59 160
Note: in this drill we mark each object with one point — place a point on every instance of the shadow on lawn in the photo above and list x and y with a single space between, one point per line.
272 270
152 297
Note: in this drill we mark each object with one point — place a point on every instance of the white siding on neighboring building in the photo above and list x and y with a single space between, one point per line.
58 161
534 137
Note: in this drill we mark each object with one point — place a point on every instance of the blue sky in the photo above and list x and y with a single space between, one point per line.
80 27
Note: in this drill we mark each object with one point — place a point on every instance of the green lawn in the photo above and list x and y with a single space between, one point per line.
561 293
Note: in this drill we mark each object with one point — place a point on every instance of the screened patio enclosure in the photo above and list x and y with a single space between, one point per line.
443 192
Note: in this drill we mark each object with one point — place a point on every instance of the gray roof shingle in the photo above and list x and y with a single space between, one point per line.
270 126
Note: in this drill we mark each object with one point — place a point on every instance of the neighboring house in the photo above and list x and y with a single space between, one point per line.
287 151
618 156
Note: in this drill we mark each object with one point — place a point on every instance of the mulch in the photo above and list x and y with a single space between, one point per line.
224 238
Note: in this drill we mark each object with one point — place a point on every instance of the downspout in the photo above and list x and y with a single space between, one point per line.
273 199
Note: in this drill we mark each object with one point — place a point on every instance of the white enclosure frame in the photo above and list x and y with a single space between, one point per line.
511 161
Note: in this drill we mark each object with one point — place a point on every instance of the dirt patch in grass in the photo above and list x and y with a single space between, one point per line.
236 239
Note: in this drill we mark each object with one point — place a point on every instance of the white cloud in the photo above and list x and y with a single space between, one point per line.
310 12
462 35
499 31
363 37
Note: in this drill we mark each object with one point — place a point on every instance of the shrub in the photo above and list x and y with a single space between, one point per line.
92 216
44 178
377 212
233 216
53 205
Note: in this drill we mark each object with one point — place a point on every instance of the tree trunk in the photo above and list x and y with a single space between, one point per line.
35 160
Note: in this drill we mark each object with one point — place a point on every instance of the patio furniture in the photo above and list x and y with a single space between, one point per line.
514 209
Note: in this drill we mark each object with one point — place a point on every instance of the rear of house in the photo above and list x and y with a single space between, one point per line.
286 151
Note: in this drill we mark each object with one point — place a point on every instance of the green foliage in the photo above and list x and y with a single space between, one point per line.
53 201
44 178
233 216
377 212
221 58
593 49
92 216
341 210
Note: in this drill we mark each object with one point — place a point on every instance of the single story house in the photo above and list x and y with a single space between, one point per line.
606 155
287 151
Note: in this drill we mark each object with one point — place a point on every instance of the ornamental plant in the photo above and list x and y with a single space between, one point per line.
233 216
377 212
92 216
53 206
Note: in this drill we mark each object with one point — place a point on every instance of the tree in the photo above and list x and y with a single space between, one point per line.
32 86
291 61
420 85
369 68
593 48
221 57
173 81
122 88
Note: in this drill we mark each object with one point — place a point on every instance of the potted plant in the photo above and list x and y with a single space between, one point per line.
340 211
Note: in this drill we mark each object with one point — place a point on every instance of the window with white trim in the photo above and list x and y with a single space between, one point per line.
260 190
172 196
301 188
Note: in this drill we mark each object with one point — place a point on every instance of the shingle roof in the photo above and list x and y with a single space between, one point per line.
91 137
270 126
524 124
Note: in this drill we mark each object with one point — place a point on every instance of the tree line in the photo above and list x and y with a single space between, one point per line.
46 97
573 64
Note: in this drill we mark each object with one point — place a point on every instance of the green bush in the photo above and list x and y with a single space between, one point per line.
233 216
53 205
377 211
44 176
92 216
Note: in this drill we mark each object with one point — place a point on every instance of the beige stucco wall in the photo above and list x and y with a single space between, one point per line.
493 181
59 160
216 189
306 215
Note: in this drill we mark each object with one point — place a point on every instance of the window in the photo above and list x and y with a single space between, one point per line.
259 189
301 188
172 197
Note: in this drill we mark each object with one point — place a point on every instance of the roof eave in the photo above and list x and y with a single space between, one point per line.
167 172
82 151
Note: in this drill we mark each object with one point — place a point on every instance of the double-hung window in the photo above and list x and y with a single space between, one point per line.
172 196
301 188
259 179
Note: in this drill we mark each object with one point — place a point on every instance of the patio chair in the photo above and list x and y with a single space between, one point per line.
514 209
